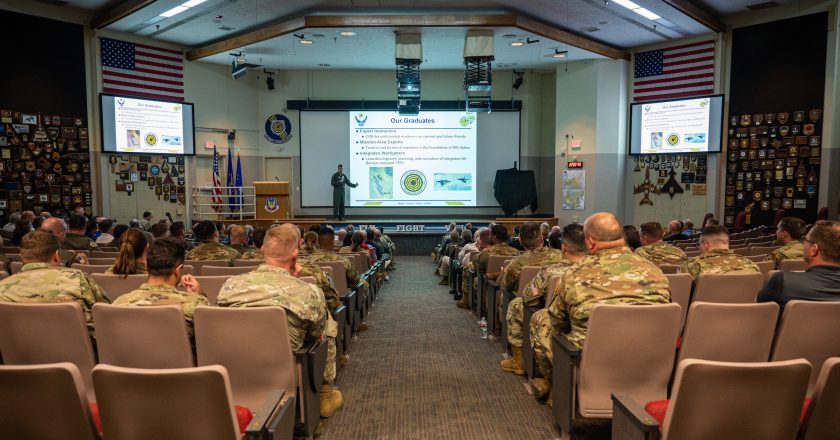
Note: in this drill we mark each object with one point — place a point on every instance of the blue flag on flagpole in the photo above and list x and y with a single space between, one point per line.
229 182
238 181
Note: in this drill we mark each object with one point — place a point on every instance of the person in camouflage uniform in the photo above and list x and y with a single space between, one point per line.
482 241
310 243
166 257
498 246
41 280
275 284
75 239
536 254
789 232
390 247
57 227
655 250
715 256
239 239
133 254
210 249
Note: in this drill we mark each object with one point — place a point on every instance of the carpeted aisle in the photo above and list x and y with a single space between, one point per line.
422 371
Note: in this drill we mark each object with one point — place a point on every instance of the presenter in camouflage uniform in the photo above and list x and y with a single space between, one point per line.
210 248
715 256
338 180
274 284
654 249
789 232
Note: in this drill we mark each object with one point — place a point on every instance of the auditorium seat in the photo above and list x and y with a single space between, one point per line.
756 258
756 249
744 251
793 265
3 274
719 400
190 403
226 270
310 280
102 254
92 268
680 286
770 274
118 285
211 285
765 266
100 261
253 346
10 250
810 330
525 276
142 336
691 254
730 287
729 332
629 349
47 333
528 358
669 268
15 266
820 420
495 264
247 263
198 264
45 401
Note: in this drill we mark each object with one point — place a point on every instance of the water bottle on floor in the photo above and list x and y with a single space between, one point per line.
483 326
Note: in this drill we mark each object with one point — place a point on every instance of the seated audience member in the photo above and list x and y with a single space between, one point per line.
45 215
339 237
146 223
135 224
57 227
92 228
444 262
22 227
166 261
688 228
118 232
159 230
27 216
106 232
179 231
209 248
348 238
239 239
13 219
498 246
133 254
482 241
536 254
36 222
75 239
821 281
274 284
389 245
789 232
370 237
514 241
325 252
631 237
656 250
536 294
41 280
715 256
358 245
256 254
674 231
555 239
310 243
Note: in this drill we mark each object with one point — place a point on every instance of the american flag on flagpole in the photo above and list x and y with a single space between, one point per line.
141 70
675 72
217 183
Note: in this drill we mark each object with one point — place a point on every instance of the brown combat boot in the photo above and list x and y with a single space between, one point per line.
331 400
540 386
463 302
444 281
513 364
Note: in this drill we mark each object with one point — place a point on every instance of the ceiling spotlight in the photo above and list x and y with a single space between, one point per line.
560 53
517 43
347 34
305 41
302 39
269 82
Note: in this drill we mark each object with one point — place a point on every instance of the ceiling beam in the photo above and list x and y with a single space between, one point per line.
251 37
697 14
118 12
331 21
559 35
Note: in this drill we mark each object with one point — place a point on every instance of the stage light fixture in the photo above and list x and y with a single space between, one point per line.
479 52
409 56
269 82
519 78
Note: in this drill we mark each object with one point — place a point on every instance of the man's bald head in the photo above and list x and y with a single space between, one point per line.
238 235
281 242
603 226
56 226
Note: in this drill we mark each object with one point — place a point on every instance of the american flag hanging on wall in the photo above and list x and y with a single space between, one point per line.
674 72
141 70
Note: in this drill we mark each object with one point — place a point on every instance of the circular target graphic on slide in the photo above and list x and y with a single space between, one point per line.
673 139
151 139
413 182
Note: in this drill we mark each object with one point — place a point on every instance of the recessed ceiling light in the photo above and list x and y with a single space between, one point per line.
192 3
559 55
174 11
305 41
646 13
347 34
517 43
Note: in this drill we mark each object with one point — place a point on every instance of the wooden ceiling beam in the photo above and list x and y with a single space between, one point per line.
333 21
697 14
559 35
118 12
251 37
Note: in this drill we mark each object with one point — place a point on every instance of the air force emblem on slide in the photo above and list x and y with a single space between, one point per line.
271 205
361 119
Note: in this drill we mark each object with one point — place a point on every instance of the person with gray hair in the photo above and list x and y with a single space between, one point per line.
13 219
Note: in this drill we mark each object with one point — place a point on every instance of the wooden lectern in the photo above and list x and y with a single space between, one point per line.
272 200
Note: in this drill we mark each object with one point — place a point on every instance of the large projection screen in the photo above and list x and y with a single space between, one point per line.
326 138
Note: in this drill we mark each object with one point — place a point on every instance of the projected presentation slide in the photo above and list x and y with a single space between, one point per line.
675 127
425 160
153 127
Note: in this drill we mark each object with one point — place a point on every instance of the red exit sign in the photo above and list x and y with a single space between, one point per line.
575 164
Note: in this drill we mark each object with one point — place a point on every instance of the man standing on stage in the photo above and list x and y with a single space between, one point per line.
339 179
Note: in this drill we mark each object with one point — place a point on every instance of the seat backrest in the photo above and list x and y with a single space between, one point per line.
551 291
731 287
46 401
770 274
736 400
328 271
495 263
810 330
45 334
197 264
765 266
339 275
526 275
100 261
225 270
691 254
118 285
247 263
761 250
92 268
310 280
15 266
680 286
103 254
252 343
821 421
669 268
788 265
628 349
142 336
744 251
138 404
357 260
729 332
756 258
188 270
211 285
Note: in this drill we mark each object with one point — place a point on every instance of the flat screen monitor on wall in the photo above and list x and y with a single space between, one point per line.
677 126
146 126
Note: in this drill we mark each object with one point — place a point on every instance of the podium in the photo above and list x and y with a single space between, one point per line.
272 200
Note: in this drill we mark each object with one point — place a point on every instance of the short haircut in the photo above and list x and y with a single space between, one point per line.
499 232
259 236
826 235
483 235
176 229
454 235
77 222
311 238
369 234
134 223
555 238
631 237
530 235
119 230
38 246
106 225
159 230
315 228
326 237
239 232
165 255
573 239
204 230
652 229
146 214
281 241
715 233
603 226
793 226
466 235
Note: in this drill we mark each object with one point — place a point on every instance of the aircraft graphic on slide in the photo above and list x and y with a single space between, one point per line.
442 182
464 179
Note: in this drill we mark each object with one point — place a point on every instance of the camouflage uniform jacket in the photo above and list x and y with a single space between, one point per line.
78 242
791 251
310 269
662 253
162 295
536 290
509 279
391 247
242 248
44 283
140 269
213 251
268 285
350 272
610 276
717 261
255 254
484 257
